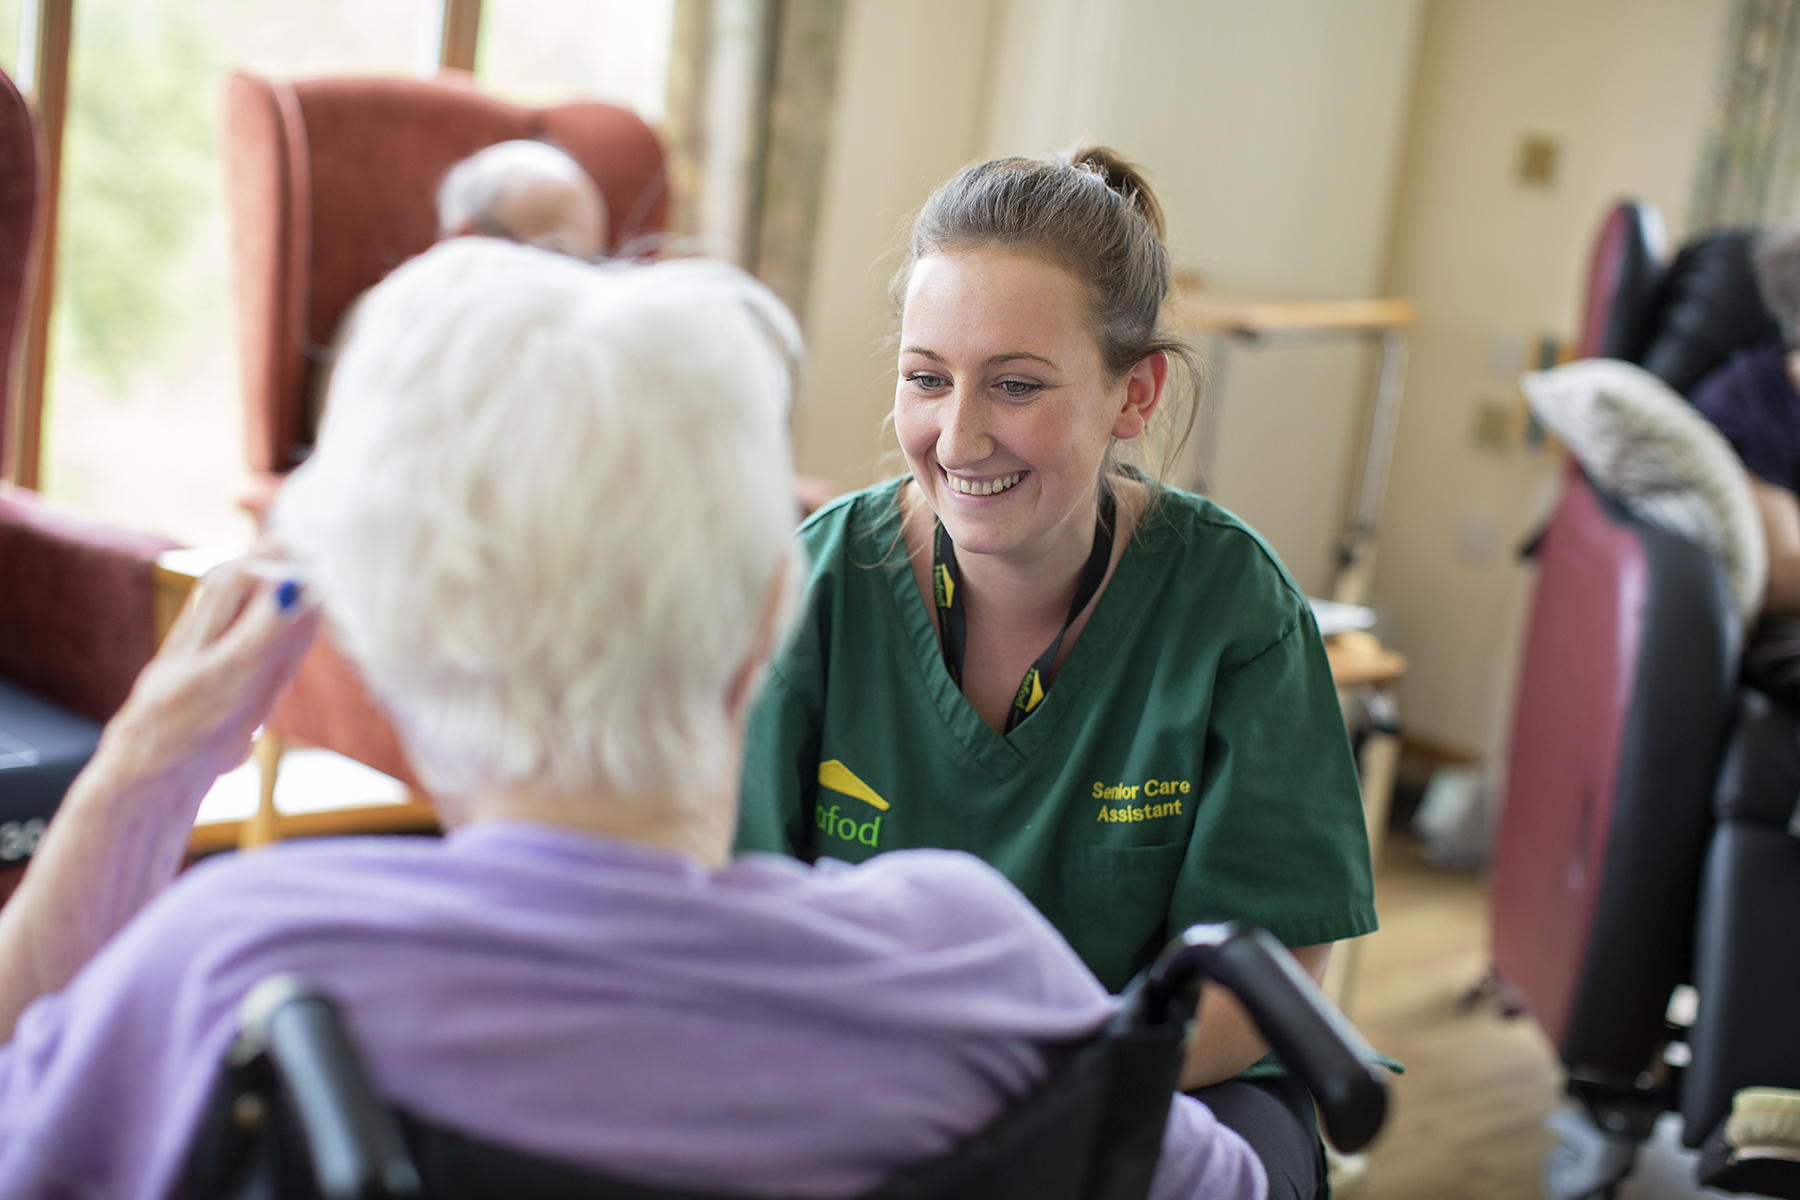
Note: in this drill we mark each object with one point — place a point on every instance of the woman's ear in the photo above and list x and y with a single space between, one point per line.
1143 392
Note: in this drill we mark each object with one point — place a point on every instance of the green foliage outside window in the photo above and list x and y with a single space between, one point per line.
9 36
139 180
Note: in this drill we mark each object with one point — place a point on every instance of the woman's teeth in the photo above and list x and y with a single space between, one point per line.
983 489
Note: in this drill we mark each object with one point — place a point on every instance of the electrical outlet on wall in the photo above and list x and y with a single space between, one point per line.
1506 355
1477 536
1496 424
1539 157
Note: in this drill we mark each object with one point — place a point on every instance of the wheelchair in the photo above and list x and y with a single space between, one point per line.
293 1115
1645 882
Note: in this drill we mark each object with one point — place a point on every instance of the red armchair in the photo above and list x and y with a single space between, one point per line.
77 613
331 184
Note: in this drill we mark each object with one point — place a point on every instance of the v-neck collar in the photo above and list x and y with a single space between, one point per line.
1117 608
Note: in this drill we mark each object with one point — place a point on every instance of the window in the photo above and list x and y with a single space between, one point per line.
542 51
142 423
142 414
9 37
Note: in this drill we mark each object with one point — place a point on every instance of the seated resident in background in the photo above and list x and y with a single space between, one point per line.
520 191
532 193
550 518
1753 401
524 191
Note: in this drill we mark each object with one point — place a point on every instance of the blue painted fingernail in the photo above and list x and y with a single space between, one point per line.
287 595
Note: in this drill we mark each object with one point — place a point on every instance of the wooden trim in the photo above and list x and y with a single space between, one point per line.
1264 318
684 126
265 824
49 96
168 595
1357 659
1438 753
462 33
413 816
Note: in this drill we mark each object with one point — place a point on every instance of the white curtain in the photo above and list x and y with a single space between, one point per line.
1750 170
751 85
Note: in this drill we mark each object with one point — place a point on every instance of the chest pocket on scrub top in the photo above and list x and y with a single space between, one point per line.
1120 902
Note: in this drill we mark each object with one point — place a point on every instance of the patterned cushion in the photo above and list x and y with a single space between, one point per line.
1647 446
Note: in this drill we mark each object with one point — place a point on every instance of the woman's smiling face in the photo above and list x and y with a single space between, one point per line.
1004 407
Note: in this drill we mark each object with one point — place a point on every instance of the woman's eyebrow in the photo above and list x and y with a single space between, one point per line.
993 359
997 359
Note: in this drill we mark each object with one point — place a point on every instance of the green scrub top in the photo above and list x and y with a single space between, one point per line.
1189 762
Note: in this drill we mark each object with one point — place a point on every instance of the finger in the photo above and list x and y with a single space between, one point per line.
243 673
272 632
215 602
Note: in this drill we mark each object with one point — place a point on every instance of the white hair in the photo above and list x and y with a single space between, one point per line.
548 510
469 191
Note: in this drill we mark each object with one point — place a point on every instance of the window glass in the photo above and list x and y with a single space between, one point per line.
143 421
542 51
9 37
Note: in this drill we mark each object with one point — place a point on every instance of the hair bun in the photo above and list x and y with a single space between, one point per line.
1122 177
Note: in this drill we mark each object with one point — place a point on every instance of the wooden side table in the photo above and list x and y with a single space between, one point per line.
1365 672
172 579
1229 321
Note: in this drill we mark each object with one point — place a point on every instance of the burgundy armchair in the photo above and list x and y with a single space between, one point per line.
77 612
331 184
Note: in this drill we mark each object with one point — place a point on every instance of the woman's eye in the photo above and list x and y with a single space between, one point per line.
1018 389
926 380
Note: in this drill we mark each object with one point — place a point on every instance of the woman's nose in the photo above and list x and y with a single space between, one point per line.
963 440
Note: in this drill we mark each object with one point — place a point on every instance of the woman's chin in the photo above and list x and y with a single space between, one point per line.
984 528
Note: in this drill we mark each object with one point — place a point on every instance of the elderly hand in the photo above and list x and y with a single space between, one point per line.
228 658
122 830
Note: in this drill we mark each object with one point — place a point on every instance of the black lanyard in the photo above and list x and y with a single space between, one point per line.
946 586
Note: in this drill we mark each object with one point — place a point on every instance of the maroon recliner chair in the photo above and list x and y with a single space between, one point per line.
77 611
1641 846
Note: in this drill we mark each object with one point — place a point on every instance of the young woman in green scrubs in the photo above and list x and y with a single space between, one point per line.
1024 649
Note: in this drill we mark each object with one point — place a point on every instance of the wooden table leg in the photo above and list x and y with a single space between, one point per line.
265 825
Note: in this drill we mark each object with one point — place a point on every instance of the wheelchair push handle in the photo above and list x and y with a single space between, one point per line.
353 1140
1310 1036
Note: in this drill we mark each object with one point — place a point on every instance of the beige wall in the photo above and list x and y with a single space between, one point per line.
1301 147
907 116
1272 132
1623 85
1271 129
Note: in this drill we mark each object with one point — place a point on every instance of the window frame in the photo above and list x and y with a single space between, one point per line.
46 36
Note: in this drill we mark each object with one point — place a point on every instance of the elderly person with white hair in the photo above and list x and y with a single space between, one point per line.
523 191
550 519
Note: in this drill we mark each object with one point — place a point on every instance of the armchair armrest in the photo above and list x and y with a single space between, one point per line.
77 618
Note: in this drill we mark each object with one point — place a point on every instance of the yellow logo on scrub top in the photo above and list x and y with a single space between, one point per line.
841 779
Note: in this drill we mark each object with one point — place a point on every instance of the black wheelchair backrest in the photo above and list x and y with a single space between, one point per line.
294 1115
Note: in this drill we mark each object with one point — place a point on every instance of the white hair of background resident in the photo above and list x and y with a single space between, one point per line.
547 509
473 185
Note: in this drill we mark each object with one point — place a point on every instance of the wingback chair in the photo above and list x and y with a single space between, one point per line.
77 617
331 184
